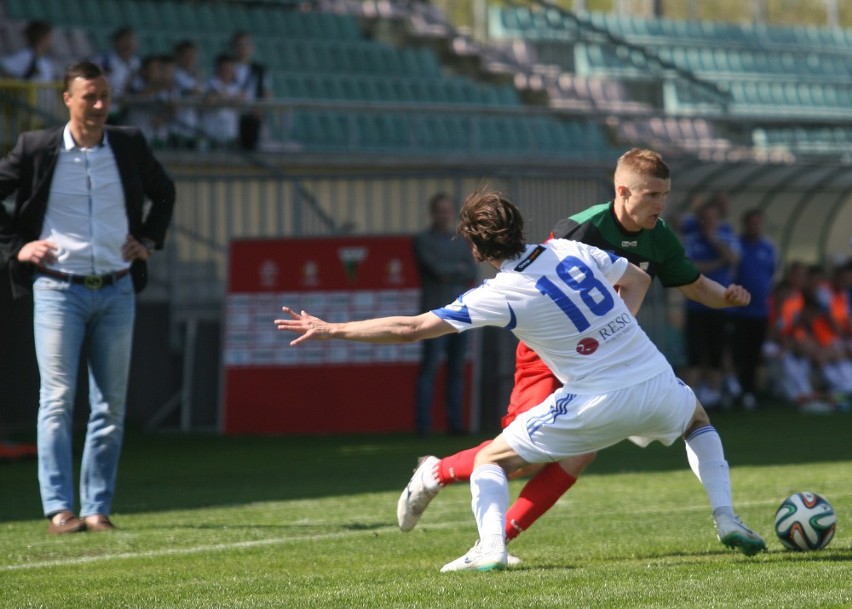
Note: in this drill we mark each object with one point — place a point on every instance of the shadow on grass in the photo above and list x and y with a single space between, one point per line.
166 471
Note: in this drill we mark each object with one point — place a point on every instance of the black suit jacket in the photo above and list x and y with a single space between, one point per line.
28 169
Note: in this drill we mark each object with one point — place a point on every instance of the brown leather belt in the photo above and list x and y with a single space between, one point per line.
93 282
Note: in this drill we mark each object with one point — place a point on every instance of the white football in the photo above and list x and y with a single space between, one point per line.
805 521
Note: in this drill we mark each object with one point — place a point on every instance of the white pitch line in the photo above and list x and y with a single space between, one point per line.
219 547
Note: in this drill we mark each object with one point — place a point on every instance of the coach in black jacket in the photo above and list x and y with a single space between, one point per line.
79 237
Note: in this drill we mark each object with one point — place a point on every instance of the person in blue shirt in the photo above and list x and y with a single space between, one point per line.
755 271
715 253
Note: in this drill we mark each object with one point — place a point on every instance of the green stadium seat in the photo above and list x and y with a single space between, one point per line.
55 11
63 13
150 15
333 129
391 132
316 87
306 129
348 28
521 137
291 86
720 61
339 59
488 134
454 92
368 132
170 18
23 9
830 97
238 19
205 18
508 95
384 90
518 20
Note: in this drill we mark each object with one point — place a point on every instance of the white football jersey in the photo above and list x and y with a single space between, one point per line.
558 298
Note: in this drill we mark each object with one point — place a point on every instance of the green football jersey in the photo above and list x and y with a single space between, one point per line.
657 251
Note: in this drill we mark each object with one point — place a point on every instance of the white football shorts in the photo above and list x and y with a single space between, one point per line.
566 424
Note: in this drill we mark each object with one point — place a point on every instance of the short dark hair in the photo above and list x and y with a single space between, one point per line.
437 198
36 30
224 58
240 34
749 214
82 69
492 224
124 30
185 45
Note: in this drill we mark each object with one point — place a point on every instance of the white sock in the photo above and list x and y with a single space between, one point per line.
489 489
707 460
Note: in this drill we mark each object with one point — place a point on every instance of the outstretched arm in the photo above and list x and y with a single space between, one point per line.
397 329
713 294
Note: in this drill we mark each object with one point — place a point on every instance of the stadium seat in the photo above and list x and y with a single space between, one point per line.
22 9
334 129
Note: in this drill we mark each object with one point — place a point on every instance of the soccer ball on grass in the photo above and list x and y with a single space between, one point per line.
805 521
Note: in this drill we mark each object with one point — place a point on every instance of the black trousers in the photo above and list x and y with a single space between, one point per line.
747 336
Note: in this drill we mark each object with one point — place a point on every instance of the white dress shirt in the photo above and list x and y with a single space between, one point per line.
18 64
86 215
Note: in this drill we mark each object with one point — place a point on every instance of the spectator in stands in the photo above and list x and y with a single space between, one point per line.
446 267
82 280
755 273
152 92
715 253
33 62
253 80
188 82
223 93
120 65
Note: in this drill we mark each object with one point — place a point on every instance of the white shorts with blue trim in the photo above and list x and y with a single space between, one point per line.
566 424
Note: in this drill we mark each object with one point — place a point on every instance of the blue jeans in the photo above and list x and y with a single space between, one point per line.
454 346
66 315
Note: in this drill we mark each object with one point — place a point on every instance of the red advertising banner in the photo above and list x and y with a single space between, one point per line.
325 386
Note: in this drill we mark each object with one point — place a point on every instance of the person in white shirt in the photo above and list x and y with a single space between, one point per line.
120 64
558 297
33 62
224 94
254 81
188 86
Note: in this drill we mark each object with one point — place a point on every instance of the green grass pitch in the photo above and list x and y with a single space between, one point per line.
207 521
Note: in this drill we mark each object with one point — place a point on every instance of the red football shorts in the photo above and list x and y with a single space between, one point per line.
533 383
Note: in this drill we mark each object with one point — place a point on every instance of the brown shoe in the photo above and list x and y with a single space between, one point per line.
65 522
98 522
